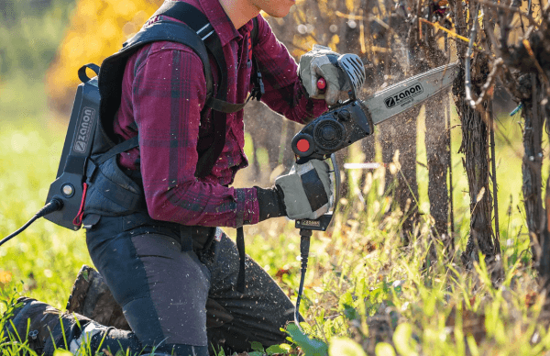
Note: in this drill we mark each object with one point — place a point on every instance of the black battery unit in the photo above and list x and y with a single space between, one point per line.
68 186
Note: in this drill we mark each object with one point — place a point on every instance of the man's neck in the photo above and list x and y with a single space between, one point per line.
239 11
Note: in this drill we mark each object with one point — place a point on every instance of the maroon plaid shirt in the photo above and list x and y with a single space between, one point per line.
163 93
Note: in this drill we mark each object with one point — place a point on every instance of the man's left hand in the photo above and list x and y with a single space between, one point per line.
307 190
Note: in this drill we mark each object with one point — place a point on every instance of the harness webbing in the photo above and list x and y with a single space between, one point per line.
196 32
195 19
218 102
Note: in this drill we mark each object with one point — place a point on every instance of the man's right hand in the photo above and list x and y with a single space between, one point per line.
322 62
307 190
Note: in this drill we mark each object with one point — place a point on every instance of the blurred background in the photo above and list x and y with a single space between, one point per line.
44 42
395 247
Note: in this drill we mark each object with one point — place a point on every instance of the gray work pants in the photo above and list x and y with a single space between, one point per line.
177 296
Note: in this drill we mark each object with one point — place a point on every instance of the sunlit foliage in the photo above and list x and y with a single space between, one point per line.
363 283
97 30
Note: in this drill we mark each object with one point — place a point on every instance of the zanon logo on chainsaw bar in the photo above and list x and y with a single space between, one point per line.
405 96
84 129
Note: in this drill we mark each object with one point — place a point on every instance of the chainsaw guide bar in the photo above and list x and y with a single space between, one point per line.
400 97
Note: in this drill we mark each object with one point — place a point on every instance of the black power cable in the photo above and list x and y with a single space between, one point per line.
304 255
53 205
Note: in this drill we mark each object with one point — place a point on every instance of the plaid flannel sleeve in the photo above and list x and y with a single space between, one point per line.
168 96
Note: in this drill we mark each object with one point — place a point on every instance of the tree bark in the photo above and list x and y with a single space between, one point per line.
543 255
407 187
437 153
525 75
398 136
476 151
532 162
544 261
475 135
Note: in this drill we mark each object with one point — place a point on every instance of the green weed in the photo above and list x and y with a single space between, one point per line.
363 283
366 291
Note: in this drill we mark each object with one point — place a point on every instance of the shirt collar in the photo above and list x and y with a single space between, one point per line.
221 22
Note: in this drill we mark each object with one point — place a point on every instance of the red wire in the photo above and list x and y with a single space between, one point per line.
77 221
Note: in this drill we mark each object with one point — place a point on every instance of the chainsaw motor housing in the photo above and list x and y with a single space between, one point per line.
332 131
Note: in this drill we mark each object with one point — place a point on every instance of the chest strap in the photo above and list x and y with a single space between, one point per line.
195 19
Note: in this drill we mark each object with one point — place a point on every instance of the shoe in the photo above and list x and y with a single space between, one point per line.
40 325
92 298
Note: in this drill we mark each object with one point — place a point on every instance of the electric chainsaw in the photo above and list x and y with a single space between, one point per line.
352 120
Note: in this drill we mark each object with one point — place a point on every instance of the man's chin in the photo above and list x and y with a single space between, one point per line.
278 14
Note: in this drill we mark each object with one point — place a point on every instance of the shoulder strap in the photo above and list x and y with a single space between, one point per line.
257 81
175 32
254 32
188 14
198 21
112 68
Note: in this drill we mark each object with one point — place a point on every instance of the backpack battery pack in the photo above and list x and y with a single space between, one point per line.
72 185
71 174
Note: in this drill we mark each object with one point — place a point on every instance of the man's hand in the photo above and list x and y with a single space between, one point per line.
307 190
322 62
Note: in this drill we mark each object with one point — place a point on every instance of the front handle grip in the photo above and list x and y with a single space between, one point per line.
324 221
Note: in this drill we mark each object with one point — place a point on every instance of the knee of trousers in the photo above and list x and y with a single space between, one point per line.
161 289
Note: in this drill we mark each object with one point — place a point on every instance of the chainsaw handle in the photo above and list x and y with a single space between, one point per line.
322 223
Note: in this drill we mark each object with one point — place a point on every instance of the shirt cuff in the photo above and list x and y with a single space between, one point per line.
248 208
271 202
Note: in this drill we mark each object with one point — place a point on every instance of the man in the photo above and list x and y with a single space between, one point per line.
168 265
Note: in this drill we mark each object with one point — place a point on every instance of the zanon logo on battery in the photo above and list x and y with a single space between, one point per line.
84 129
405 96
314 223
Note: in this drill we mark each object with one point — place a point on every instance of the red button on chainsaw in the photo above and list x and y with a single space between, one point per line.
321 84
302 145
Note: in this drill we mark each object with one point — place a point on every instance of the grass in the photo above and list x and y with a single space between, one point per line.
365 290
